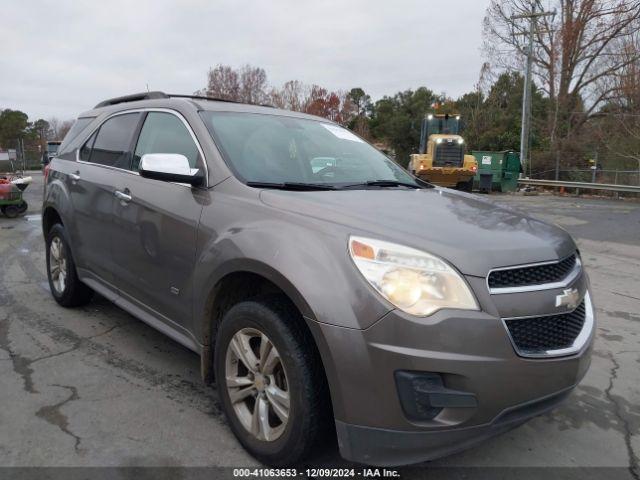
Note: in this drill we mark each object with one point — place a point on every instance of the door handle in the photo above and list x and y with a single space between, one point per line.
124 197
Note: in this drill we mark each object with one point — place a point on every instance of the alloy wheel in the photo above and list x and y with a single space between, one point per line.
58 265
257 384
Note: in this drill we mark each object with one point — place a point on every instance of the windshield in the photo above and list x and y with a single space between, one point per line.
276 149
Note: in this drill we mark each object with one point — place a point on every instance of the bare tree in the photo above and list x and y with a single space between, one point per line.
64 128
253 85
54 127
294 95
573 53
618 125
223 82
58 128
247 84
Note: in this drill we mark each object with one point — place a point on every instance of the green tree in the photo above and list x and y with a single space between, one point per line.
397 120
493 123
13 126
39 132
361 110
361 100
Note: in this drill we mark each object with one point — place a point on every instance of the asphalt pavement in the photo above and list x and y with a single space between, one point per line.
95 387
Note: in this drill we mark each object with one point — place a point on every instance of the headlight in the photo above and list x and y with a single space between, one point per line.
415 282
461 141
438 140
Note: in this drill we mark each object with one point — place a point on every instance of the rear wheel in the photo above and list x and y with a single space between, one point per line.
66 287
11 211
270 382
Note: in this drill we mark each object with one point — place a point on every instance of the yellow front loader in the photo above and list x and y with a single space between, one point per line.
442 160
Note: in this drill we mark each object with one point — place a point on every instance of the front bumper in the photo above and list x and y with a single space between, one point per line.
383 447
471 351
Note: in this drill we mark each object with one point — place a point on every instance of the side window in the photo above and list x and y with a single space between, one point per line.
111 146
85 151
165 133
77 128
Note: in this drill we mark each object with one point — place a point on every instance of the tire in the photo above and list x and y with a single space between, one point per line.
465 186
66 287
11 211
299 376
468 187
22 208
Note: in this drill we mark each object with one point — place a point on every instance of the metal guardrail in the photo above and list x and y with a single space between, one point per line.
578 185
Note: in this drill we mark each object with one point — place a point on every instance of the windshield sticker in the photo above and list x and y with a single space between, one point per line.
342 133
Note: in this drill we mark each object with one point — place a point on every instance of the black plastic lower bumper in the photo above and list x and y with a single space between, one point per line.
382 447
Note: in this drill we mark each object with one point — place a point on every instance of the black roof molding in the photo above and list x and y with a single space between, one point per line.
135 97
201 97
132 98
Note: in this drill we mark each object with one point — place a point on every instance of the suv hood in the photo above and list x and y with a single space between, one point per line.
473 234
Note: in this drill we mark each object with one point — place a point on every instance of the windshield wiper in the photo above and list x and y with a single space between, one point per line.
296 186
385 183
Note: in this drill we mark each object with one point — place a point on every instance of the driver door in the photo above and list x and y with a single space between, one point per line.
156 225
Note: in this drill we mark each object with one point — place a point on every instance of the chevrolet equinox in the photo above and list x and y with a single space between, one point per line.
323 287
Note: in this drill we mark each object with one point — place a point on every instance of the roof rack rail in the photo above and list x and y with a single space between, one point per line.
201 97
132 98
156 95
215 99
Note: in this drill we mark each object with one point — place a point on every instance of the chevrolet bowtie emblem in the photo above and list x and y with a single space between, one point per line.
569 298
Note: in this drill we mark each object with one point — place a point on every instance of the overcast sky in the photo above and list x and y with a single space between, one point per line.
58 58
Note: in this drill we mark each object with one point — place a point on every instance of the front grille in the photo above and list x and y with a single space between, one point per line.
536 335
534 275
449 154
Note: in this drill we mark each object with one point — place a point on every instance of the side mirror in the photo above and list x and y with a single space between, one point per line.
170 167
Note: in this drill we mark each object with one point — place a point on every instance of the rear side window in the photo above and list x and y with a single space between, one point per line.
79 125
85 151
113 143
164 133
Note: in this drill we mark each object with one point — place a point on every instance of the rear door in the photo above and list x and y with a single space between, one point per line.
156 224
91 186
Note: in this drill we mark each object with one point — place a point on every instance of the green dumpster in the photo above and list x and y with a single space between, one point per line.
504 167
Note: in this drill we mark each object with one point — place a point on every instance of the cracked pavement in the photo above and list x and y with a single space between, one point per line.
93 386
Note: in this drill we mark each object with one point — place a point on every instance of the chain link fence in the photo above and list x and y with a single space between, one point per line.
614 177
29 159
602 166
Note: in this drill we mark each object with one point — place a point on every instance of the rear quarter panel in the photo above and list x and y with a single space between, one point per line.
56 194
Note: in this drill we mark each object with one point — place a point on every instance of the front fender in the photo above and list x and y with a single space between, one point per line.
304 258
258 267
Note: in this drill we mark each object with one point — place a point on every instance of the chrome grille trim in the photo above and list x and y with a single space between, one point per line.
578 344
571 276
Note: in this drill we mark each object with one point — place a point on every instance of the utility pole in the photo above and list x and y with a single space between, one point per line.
526 95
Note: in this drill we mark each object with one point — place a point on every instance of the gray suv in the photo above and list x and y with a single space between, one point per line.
325 289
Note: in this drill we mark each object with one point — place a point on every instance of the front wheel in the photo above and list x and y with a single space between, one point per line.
270 380
465 186
469 185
